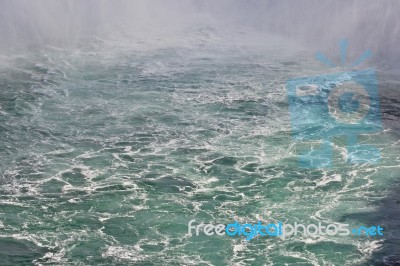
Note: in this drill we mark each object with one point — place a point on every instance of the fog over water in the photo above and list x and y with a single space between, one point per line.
371 25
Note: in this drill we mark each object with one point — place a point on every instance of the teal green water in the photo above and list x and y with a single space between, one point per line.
106 156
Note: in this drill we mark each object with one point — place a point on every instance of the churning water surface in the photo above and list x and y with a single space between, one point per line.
106 154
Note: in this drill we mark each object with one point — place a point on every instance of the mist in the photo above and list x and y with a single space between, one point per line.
314 24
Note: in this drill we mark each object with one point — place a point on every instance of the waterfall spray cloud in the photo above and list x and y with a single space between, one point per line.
368 24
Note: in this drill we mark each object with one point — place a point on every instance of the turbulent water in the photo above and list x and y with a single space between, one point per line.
107 154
